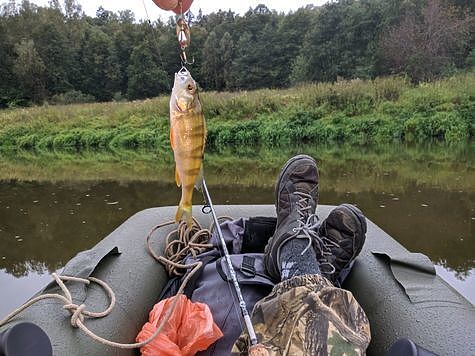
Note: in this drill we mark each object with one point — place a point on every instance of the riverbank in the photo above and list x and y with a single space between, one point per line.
356 112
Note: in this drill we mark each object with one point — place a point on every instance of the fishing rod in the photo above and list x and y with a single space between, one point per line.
232 273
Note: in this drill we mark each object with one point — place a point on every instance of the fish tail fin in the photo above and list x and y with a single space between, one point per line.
199 180
184 214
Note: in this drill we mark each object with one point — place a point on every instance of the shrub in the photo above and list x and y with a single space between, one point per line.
440 126
72 97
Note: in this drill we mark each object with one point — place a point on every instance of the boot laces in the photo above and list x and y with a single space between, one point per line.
307 228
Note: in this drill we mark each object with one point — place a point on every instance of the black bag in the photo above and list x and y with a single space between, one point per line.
212 284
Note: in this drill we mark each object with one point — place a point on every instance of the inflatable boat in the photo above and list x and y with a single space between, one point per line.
399 290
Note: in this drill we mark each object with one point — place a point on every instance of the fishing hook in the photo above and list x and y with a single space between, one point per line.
184 59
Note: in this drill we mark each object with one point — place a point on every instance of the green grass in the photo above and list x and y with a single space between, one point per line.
356 112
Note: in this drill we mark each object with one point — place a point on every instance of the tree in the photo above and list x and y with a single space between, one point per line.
72 9
112 54
300 70
146 77
340 42
217 58
103 16
425 46
243 71
98 65
50 37
9 8
54 4
258 51
30 71
226 49
289 39
210 68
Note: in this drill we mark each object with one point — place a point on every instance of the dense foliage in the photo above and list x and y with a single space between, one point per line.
355 112
57 54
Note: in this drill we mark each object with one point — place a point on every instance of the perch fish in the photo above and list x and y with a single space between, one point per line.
187 138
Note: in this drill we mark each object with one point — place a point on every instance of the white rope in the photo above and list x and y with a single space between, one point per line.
79 312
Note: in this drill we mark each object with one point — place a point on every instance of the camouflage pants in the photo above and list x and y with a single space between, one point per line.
307 315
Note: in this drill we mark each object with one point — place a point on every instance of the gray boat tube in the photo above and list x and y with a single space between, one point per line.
399 291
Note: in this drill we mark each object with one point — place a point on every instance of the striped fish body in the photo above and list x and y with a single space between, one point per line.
187 138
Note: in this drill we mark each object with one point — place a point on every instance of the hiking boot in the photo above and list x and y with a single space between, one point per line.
340 238
296 200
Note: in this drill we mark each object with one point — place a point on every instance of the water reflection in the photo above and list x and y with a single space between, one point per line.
52 207
42 225
432 221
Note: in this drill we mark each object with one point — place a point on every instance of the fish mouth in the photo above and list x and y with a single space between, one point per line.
182 78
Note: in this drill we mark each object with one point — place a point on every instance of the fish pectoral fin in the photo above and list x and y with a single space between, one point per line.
177 178
199 179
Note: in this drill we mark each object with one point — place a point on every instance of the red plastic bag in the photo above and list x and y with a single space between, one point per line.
190 329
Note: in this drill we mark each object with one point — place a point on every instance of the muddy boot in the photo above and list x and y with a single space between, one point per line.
340 237
296 200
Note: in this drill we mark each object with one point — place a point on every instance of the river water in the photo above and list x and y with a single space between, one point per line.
54 205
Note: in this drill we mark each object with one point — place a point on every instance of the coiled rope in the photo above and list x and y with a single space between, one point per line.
179 243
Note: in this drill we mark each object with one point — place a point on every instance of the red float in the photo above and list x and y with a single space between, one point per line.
166 4
177 6
183 7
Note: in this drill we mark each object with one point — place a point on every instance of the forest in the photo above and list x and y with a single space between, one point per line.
59 55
